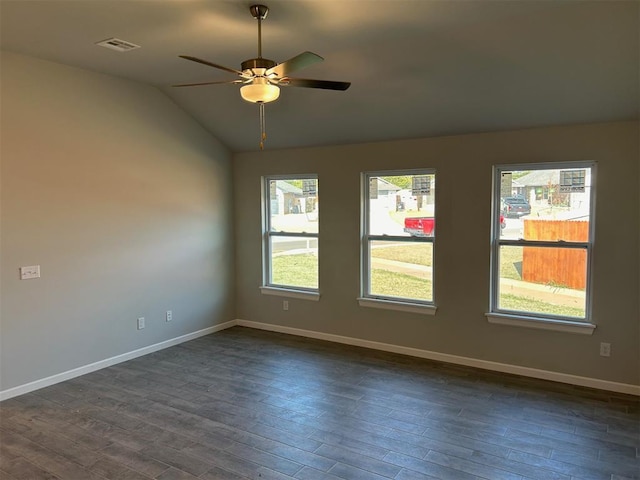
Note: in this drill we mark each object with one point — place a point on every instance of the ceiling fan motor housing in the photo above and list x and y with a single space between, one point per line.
257 63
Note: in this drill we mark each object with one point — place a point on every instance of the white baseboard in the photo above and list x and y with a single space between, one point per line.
92 367
357 342
455 359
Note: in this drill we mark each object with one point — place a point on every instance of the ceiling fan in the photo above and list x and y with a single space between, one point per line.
262 78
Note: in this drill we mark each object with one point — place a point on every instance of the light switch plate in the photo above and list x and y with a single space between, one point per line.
27 273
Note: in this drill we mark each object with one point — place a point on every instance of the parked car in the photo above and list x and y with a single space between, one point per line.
425 226
420 226
514 207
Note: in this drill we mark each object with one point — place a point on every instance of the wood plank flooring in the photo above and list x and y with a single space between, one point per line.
249 404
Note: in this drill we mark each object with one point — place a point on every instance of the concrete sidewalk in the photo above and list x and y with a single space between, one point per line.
564 296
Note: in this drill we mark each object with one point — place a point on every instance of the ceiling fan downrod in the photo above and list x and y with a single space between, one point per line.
259 12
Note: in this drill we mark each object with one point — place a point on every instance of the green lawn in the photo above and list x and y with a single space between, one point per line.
302 271
416 253
422 254
527 304
511 262
393 284
297 270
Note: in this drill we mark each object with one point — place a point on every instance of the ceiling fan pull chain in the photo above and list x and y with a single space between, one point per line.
263 134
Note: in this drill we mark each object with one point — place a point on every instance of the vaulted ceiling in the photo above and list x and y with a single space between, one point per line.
418 68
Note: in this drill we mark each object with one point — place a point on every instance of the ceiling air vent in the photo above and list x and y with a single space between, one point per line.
118 45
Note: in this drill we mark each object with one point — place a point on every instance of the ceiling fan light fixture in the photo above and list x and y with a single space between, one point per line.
260 91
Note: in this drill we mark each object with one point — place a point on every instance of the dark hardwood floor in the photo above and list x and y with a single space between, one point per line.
245 403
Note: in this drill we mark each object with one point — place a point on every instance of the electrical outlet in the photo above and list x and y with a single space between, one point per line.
140 323
285 304
27 273
605 349
169 316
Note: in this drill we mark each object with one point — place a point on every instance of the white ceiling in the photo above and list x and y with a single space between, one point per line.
418 68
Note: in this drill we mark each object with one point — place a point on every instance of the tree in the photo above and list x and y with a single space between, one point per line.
296 182
402 181
517 175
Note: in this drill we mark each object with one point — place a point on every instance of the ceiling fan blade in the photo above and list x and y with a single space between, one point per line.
206 83
205 62
305 82
298 62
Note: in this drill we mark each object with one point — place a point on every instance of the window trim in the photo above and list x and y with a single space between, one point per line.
535 319
268 287
400 306
541 323
366 299
290 293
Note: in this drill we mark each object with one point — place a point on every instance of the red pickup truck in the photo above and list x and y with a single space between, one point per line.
420 226
425 226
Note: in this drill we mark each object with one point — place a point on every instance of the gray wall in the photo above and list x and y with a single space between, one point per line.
463 166
124 202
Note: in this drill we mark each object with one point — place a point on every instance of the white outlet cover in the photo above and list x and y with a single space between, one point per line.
27 273
140 323
169 316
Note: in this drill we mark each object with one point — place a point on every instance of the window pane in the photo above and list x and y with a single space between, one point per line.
294 261
402 205
293 205
401 269
549 204
543 280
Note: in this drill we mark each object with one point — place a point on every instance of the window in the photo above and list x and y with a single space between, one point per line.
398 240
542 238
291 234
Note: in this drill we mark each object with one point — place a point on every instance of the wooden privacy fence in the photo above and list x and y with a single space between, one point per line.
557 267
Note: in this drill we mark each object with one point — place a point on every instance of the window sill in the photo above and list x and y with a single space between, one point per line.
291 293
566 326
398 306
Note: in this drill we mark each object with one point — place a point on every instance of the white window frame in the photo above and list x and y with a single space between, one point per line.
367 299
268 287
535 319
